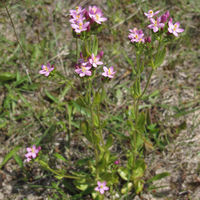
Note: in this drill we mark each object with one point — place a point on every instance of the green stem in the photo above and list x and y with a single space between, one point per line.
23 51
147 84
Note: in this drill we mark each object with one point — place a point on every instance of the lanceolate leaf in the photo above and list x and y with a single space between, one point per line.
9 156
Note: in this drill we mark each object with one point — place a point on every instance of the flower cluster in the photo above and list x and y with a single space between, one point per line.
101 187
81 19
136 35
32 153
84 66
46 69
159 22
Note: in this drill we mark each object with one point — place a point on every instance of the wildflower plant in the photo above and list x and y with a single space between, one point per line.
103 171
150 51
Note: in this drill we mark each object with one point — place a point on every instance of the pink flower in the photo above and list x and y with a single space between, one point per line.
46 69
101 187
174 28
78 11
136 35
108 72
84 70
164 17
96 14
147 39
94 60
32 153
80 26
155 24
117 162
151 14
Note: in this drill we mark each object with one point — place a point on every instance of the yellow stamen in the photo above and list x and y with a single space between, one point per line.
109 72
94 9
46 68
80 25
97 16
83 69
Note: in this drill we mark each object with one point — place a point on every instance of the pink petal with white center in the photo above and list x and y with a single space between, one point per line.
101 190
155 29
47 74
99 183
156 12
179 30
177 24
105 69
42 72
106 188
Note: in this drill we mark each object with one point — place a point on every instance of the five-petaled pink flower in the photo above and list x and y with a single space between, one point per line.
101 187
174 28
80 26
95 60
32 153
96 14
151 14
136 35
108 72
155 24
83 70
46 69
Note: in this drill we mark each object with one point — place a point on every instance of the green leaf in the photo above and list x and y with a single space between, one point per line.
109 142
6 76
138 186
18 160
95 45
123 172
159 58
158 177
126 187
86 130
139 169
97 98
95 119
47 136
81 184
9 156
60 157
51 97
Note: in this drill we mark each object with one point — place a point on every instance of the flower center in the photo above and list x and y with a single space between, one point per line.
155 23
151 12
109 72
101 186
136 36
46 68
97 16
175 27
33 150
83 69
80 25
94 9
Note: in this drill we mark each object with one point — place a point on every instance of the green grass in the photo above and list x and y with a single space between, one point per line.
34 109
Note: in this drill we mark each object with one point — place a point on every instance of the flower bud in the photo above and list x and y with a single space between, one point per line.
148 39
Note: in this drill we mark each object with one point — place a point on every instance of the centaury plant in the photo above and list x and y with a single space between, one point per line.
105 176
150 52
